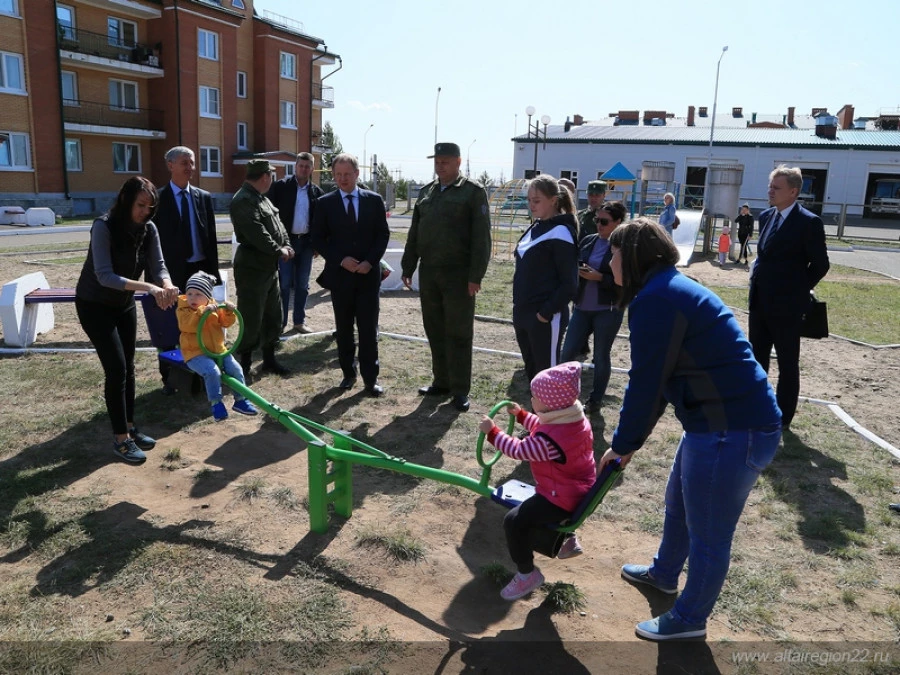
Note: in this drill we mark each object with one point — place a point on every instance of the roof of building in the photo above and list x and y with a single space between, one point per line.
846 139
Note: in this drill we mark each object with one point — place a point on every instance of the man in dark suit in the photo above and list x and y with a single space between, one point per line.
295 197
350 231
187 229
791 260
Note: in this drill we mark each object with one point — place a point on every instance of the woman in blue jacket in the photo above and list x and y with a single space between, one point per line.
688 350
546 274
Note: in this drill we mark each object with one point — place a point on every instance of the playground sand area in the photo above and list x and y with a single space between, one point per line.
209 542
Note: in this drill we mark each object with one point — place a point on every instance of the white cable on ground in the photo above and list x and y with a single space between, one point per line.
853 424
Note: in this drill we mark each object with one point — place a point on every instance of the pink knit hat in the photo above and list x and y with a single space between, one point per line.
558 387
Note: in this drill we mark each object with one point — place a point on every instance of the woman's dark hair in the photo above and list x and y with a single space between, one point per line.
548 186
643 245
615 209
120 213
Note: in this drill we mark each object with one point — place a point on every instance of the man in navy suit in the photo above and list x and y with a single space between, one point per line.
187 229
350 231
295 198
791 260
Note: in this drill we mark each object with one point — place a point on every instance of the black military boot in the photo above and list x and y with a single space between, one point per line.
270 365
245 360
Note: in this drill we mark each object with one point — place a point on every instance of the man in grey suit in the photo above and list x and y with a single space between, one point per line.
791 260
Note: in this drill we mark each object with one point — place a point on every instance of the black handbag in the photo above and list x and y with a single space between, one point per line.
815 321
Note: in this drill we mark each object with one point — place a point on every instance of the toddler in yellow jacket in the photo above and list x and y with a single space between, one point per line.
197 301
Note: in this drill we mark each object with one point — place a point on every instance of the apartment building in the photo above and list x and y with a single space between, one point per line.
95 91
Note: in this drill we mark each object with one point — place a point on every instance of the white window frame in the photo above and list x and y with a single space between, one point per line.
600 174
288 66
121 86
206 160
63 74
126 146
5 57
76 143
19 158
68 31
242 131
206 102
287 114
242 84
207 41
120 41
571 174
288 170
14 11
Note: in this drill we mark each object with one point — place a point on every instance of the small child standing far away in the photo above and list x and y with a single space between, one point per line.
560 448
724 244
196 301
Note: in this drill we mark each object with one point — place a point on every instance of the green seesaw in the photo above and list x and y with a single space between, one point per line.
331 463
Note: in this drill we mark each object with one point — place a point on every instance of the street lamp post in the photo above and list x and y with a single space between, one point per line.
707 235
467 156
535 129
437 100
365 161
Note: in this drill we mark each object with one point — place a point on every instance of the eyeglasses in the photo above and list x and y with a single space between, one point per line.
604 221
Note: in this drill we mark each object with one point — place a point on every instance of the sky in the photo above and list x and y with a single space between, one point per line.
492 59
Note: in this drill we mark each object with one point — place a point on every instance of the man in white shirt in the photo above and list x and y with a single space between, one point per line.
295 197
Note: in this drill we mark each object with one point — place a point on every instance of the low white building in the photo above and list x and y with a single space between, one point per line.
841 157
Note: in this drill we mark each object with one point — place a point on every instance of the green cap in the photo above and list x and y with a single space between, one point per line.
258 167
446 150
597 187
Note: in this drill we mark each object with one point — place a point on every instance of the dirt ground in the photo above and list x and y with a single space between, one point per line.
443 597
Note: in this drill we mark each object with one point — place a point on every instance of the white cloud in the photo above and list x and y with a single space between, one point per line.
359 105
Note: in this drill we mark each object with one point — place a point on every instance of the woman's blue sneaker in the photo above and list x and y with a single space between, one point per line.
640 574
128 451
219 412
244 407
667 627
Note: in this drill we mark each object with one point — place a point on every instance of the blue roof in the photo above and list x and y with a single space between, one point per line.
618 172
847 139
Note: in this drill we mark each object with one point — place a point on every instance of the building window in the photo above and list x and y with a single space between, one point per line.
288 169
9 7
209 102
208 44
242 135
121 33
73 154
126 158
571 175
241 84
12 79
65 20
600 174
288 115
239 4
123 95
69 87
209 161
288 66
14 151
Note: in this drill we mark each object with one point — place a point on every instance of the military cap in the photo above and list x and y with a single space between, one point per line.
258 167
597 187
446 150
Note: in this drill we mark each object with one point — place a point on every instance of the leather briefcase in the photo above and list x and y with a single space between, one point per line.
815 321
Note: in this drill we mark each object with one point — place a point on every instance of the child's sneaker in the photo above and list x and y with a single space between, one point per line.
244 407
219 412
520 586
570 548
128 451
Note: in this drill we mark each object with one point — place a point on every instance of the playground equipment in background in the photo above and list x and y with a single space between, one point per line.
331 465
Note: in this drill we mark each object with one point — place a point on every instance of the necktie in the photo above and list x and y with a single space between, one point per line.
185 213
773 229
350 210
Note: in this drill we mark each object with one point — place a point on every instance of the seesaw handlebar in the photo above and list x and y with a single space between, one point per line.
235 344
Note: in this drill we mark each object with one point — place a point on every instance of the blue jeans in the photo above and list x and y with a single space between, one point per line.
711 478
605 325
295 274
206 368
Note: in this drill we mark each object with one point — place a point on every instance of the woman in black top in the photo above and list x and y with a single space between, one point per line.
124 245
744 231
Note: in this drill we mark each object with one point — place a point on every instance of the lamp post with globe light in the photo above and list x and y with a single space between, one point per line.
535 130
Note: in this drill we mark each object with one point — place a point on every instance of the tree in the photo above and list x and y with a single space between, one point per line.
329 140
486 180
383 174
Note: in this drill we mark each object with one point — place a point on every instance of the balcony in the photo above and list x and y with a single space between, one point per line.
319 144
90 117
103 52
322 96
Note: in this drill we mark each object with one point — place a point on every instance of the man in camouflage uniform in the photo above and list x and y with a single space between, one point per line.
596 194
450 241
263 242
